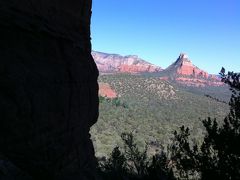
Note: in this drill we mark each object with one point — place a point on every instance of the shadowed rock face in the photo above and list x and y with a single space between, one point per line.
48 90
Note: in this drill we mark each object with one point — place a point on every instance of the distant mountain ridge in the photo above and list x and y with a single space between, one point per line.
182 71
110 63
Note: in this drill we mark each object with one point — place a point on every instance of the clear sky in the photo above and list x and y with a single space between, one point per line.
159 30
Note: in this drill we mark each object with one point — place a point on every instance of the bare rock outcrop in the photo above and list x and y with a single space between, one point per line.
48 90
112 63
185 72
183 66
105 90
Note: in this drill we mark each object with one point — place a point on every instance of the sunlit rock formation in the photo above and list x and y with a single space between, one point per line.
185 72
184 66
105 90
110 63
48 90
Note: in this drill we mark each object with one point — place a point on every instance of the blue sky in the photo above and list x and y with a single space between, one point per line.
159 30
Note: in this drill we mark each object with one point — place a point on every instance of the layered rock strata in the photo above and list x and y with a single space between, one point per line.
183 66
185 72
112 63
48 90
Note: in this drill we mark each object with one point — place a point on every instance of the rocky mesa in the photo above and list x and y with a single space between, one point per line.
110 63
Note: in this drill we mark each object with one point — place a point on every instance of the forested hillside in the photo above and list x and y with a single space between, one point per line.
152 109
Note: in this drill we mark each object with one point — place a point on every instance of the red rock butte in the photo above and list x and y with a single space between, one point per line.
185 67
185 72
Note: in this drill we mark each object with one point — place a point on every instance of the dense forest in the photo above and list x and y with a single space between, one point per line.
152 109
216 157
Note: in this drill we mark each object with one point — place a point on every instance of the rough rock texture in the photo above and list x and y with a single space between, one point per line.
184 66
48 90
106 91
184 72
109 63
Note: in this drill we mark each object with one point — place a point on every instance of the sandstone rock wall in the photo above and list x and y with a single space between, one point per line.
48 89
183 71
112 63
185 67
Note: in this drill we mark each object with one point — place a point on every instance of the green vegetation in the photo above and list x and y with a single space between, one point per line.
114 101
152 109
219 154
131 163
217 157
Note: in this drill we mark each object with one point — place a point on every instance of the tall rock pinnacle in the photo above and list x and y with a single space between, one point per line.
185 72
184 67
48 90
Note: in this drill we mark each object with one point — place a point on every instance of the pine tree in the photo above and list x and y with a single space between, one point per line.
219 155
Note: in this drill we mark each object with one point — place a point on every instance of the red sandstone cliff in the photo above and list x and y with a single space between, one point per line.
183 66
182 70
185 72
109 63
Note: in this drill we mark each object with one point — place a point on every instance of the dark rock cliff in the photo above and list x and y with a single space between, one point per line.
48 90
